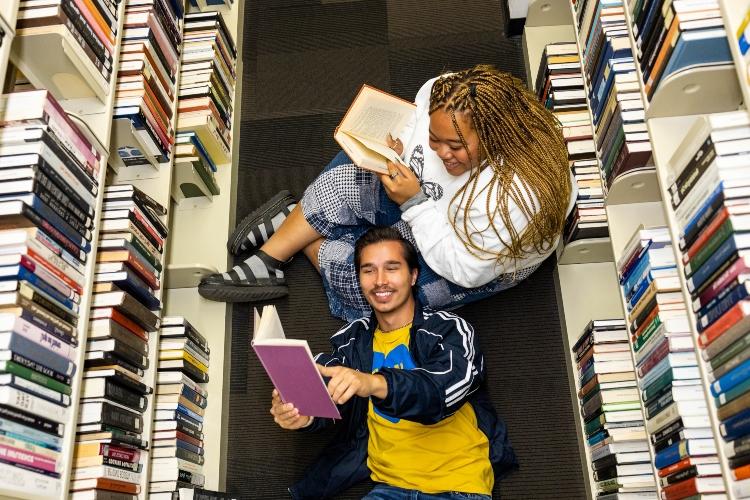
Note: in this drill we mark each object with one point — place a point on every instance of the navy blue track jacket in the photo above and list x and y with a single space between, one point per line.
450 369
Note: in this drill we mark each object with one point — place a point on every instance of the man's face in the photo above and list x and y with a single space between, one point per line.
385 277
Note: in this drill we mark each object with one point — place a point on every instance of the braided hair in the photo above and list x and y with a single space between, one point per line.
522 143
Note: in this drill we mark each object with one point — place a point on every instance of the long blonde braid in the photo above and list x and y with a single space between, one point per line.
518 138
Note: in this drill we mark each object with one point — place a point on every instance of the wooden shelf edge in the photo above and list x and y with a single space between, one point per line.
634 187
549 13
698 90
585 251
186 276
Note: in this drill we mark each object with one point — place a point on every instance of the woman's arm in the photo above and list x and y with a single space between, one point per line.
447 255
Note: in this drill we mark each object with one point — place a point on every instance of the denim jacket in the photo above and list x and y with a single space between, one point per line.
449 371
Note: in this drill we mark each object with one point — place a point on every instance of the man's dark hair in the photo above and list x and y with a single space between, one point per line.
378 234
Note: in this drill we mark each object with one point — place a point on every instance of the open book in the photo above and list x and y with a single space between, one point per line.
291 367
363 130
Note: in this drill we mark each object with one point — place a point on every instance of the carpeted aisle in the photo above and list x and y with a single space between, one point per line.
304 60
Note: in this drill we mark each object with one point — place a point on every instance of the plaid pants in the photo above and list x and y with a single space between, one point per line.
344 202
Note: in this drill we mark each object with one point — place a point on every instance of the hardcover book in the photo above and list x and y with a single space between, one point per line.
362 132
290 365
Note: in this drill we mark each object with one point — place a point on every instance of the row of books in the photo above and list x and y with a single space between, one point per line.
48 192
675 36
181 400
146 82
88 27
560 87
206 90
673 395
611 411
710 198
622 139
110 450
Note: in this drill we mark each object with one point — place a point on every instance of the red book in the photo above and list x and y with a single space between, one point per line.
737 317
739 271
708 231
693 486
686 463
118 317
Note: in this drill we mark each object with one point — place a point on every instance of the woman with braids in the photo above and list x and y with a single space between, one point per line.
484 200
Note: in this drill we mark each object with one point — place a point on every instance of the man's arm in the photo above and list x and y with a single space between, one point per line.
443 381
345 382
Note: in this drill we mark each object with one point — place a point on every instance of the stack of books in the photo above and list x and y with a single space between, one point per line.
611 408
206 92
181 401
125 312
47 200
145 90
205 5
710 196
616 104
560 87
676 36
88 28
673 395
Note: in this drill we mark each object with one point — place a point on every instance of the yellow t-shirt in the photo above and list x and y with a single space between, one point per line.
451 455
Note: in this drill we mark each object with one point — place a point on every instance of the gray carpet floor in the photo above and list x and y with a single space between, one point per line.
303 63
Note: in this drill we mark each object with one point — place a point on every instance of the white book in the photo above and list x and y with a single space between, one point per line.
105 471
33 404
24 482
11 323
363 131
622 447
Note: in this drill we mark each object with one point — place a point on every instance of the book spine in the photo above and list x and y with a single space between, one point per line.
707 317
25 482
692 172
739 271
50 261
57 235
19 344
36 377
20 416
44 339
38 367
32 404
30 292
731 379
124 396
25 275
50 279
68 183
39 390
703 273
713 243
51 191
40 317
24 432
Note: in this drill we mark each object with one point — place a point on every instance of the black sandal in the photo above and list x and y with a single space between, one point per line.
256 228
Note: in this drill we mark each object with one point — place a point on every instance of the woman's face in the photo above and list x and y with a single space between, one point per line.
445 141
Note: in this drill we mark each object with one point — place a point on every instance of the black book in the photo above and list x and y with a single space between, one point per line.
111 414
106 388
29 419
739 460
118 349
39 367
42 318
188 369
105 358
17 213
693 171
177 327
681 475
666 431
201 494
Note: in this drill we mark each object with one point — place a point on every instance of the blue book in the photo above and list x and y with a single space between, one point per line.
11 342
30 435
128 281
38 206
736 426
188 446
682 449
732 378
714 310
189 413
20 273
599 436
699 47
732 248
195 140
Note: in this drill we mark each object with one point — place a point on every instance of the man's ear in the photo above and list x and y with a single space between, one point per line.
414 273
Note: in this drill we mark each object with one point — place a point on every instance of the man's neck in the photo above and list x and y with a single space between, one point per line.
396 319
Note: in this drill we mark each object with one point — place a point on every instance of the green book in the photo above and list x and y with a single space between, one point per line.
708 249
36 377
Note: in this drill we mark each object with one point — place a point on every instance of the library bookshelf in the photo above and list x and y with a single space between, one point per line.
198 226
636 199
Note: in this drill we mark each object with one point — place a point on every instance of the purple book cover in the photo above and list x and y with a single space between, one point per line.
296 378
